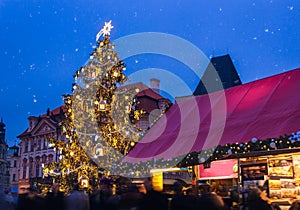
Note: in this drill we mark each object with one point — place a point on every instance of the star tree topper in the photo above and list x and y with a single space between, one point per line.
105 30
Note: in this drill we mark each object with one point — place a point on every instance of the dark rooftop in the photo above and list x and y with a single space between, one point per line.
223 66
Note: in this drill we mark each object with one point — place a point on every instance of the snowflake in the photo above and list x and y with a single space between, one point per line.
34 98
32 66
105 30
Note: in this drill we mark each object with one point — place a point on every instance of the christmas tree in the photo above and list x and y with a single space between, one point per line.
100 120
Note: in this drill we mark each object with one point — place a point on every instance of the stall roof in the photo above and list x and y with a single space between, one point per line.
266 108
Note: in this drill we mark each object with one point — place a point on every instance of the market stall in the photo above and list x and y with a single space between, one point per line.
256 119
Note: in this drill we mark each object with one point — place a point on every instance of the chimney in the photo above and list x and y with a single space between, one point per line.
154 84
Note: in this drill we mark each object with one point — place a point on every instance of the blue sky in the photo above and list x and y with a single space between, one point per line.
44 42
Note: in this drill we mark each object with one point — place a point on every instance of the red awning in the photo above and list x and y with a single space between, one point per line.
266 108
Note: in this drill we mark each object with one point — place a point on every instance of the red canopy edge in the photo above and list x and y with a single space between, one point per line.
266 108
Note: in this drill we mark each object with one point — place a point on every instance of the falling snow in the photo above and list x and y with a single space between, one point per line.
32 66
23 55
34 98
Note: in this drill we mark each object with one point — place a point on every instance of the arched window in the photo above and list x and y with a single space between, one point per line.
44 158
37 159
50 158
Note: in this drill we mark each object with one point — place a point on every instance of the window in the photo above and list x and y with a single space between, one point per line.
32 145
45 144
24 172
44 158
31 167
39 144
37 170
15 163
30 170
50 158
26 146
24 168
14 177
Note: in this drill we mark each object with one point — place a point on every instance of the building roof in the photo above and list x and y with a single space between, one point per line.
149 93
226 72
55 112
144 90
266 108
51 114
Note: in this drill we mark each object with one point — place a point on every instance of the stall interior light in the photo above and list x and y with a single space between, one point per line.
167 169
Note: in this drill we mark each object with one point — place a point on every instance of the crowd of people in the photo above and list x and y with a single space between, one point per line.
129 197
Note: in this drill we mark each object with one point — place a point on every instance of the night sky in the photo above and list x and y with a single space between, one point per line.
44 42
